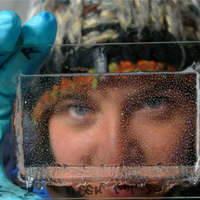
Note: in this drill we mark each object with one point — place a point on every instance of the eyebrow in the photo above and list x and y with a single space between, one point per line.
77 97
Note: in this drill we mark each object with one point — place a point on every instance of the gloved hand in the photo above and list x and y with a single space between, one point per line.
40 30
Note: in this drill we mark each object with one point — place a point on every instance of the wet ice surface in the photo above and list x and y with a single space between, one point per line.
122 129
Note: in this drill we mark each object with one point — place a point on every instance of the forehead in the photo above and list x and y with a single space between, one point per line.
123 84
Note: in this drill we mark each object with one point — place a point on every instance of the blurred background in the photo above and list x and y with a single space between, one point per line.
21 7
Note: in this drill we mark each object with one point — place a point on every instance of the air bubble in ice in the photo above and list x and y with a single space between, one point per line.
186 184
40 185
102 165
159 164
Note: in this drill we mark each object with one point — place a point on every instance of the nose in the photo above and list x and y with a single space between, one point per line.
116 143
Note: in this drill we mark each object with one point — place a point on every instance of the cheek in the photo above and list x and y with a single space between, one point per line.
166 141
70 146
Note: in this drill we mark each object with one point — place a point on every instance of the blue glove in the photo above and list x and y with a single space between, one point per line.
40 30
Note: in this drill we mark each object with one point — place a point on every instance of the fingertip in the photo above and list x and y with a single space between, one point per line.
9 14
10 28
10 19
47 16
41 29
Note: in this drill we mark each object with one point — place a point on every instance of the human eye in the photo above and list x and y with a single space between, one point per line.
156 102
80 110
76 114
156 106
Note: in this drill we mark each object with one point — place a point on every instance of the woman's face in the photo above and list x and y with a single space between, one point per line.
140 120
